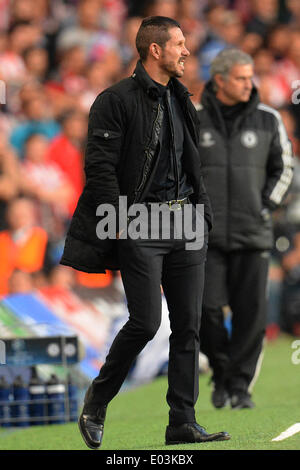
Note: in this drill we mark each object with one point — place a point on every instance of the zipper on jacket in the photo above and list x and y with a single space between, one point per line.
145 170
149 157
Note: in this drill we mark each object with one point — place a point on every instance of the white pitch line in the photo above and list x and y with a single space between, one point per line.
288 432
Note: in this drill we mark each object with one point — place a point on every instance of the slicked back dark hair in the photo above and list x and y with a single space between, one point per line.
153 29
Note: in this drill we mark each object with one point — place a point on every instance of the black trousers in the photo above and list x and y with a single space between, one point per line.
237 279
146 265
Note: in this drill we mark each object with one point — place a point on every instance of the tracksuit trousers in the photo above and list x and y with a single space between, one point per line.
146 265
236 279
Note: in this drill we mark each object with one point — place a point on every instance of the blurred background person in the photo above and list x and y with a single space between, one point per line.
36 61
20 282
9 178
192 80
36 119
23 245
127 47
88 30
67 148
71 69
168 8
247 169
293 8
20 36
264 15
47 184
225 30
62 276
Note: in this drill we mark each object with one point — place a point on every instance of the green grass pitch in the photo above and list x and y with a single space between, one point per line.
136 419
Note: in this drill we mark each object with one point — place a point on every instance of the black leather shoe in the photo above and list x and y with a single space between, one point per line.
91 427
192 432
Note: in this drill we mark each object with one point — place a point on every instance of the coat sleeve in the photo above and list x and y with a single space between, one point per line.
106 132
279 167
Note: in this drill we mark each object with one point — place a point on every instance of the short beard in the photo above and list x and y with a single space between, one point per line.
170 69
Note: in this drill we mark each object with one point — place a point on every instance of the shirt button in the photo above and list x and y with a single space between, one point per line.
106 134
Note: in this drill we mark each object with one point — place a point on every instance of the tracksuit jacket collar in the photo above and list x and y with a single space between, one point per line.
210 102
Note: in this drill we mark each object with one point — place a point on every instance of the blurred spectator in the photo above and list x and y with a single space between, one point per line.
293 6
82 25
135 8
128 50
3 42
111 64
263 64
251 43
62 276
36 63
213 43
37 120
225 29
75 57
277 86
167 8
44 181
278 41
271 90
9 171
191 79
48 15
23 245
27 10
20 282
12 67
264 16
4 14
243 9
291 127
87 31
189 15
113 16
287 72
232 28
71 69
97 79
66 150
28 92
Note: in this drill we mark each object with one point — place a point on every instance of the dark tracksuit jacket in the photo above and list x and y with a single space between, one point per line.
243 173
247 169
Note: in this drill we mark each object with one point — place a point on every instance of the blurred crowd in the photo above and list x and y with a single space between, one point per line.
56 56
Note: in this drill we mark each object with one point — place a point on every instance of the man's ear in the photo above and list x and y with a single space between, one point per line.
219 80
155 50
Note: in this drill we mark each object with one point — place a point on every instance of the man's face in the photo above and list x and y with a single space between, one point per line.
237 86
174 54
